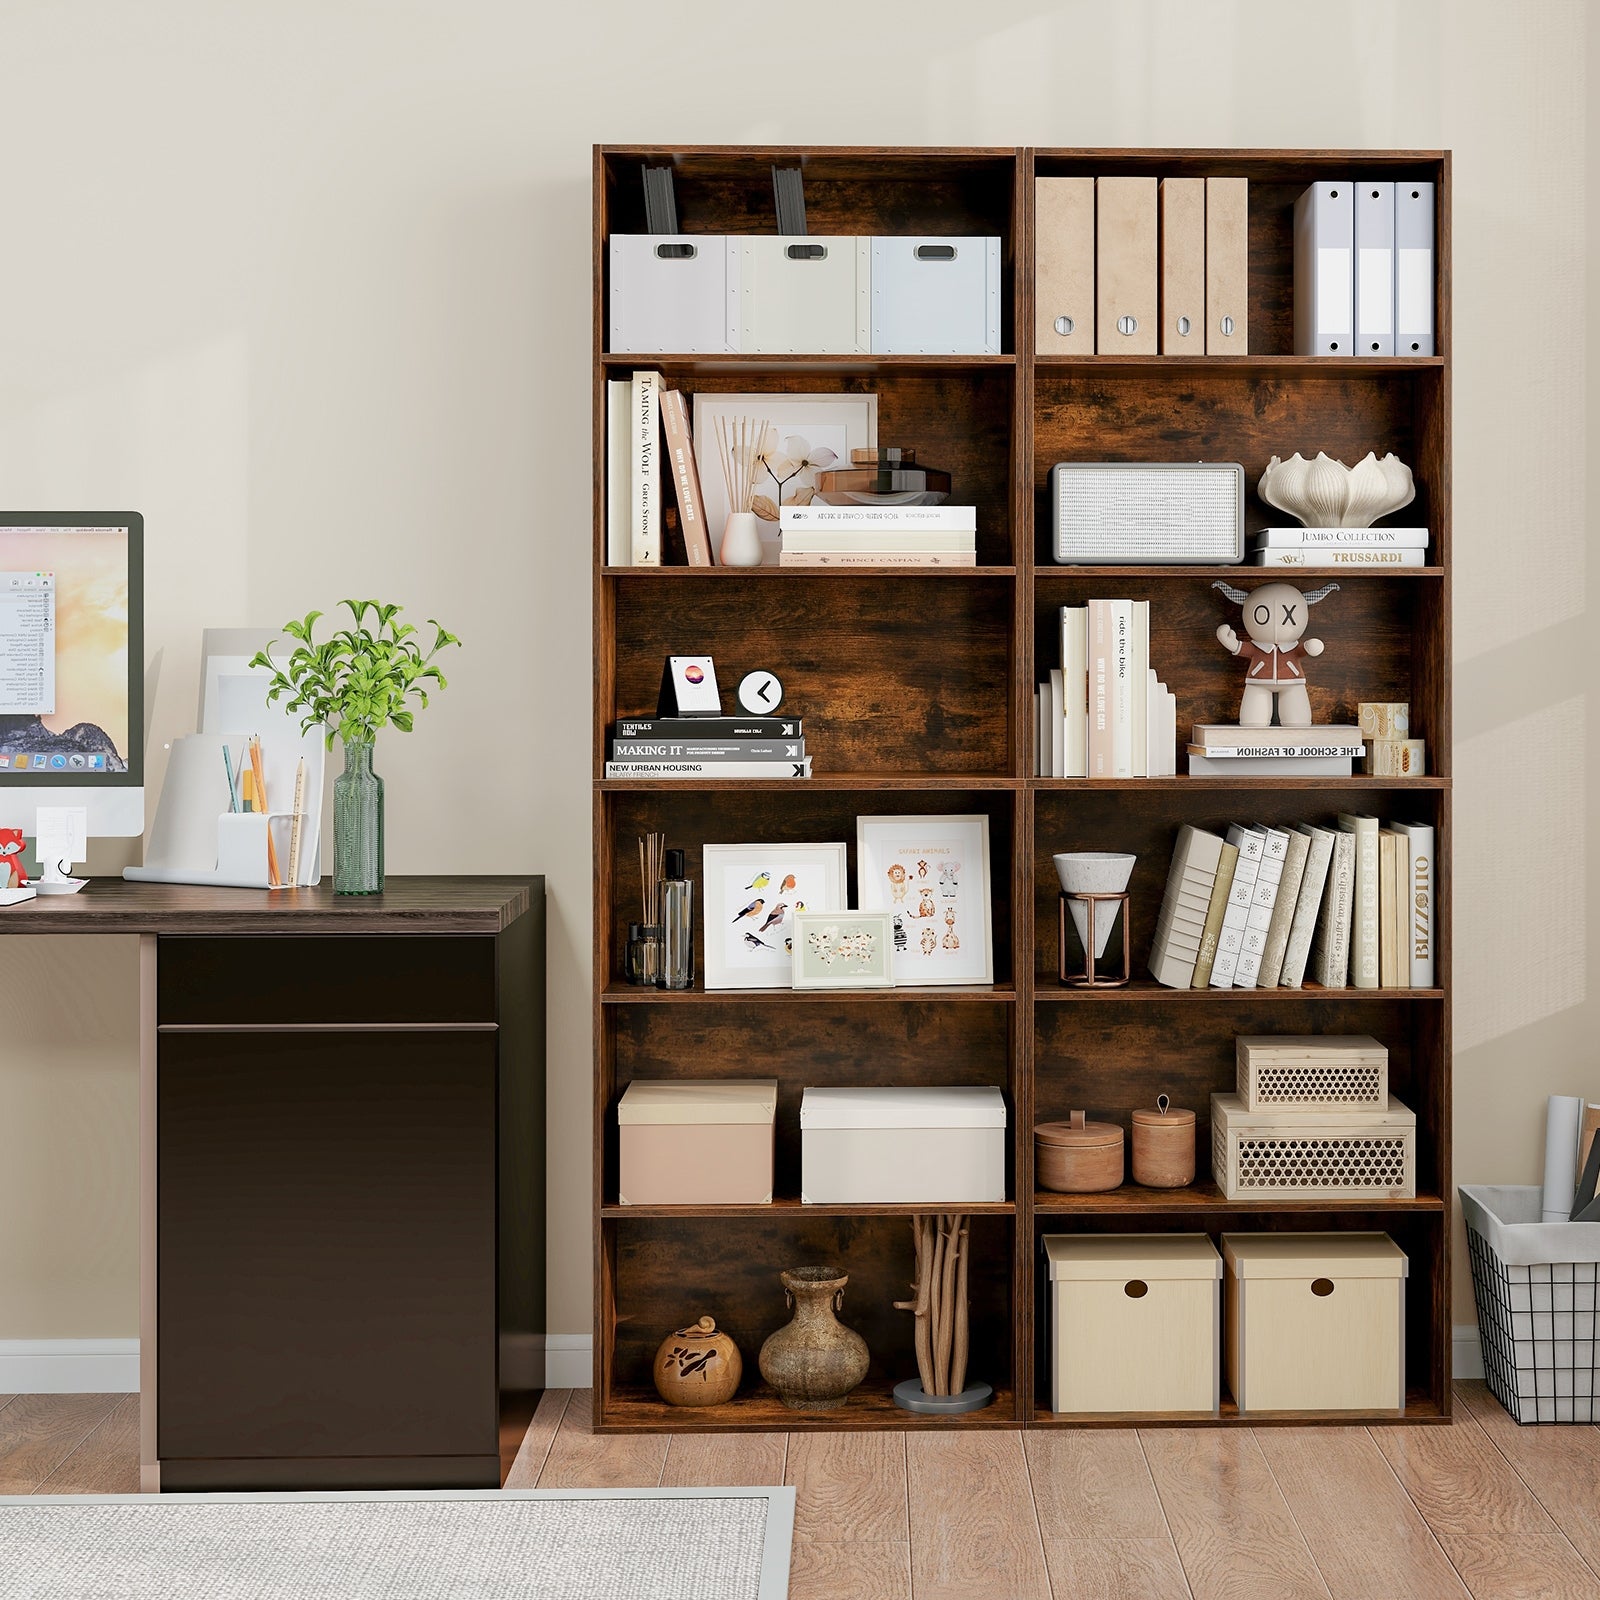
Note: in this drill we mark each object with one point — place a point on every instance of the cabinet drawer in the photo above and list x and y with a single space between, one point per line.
325 978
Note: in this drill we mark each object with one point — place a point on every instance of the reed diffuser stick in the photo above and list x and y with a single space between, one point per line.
652 849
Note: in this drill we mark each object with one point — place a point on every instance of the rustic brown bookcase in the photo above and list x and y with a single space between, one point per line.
916 690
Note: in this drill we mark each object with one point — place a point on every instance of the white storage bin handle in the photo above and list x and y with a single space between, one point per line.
806 252
1322 1287
1136 1288
676 250
935 252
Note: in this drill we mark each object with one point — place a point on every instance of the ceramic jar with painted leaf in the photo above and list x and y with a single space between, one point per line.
697 1366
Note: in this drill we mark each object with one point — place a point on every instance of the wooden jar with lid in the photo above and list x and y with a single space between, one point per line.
1077 1157
1163 1146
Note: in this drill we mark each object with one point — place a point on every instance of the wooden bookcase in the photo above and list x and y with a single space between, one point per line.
916 690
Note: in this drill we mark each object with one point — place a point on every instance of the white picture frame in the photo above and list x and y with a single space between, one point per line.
932 874
839 423
796 876
843 950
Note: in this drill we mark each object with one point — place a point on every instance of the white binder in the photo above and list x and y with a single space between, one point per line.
1324 226
1374 270
1413 269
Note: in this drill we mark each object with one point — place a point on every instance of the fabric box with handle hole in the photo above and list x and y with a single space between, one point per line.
805 295
689 1141
1315 1321
936 296
674 294
924 1146
1135 1323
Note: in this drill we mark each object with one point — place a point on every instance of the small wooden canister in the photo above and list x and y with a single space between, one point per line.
1077 1157
1163 1147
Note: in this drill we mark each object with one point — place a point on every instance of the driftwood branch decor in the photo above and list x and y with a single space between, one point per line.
939 1302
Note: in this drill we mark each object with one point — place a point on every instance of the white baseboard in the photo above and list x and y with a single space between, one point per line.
69 1366
568 1361
1466 1354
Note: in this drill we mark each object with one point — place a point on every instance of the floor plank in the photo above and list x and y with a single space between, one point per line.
1496 1534
1115 1568
534 1450
1369 1541
1093 1484
107 1461
581 1459
1559 1462
860 1569
973 1527
1233 1531
724 1461
849 1487
39 1431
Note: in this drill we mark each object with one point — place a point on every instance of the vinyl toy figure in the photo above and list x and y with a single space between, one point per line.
11 874
1275 619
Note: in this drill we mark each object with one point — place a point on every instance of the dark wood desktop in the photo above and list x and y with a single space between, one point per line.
342 1175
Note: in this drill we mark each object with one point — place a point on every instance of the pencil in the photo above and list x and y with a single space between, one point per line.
227 767
294 826
273 878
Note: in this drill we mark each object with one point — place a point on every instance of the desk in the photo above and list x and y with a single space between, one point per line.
341 1175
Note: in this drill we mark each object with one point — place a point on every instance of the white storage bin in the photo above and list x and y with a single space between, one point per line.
665 301
1316 1321
936 296
1135 1322
801 294
942 1147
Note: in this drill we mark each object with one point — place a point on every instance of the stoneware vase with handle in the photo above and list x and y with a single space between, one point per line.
814 1361
698 1366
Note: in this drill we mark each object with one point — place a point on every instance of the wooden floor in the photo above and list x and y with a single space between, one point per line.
1481 1508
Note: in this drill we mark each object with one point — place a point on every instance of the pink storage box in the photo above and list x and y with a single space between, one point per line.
696 1142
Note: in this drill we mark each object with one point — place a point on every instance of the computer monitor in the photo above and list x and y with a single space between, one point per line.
72 667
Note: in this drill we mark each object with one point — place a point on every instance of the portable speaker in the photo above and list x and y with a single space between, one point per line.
1147 513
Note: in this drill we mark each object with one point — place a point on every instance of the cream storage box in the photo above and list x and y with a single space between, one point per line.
1135 1322
896 1146
1315 1321
684 1142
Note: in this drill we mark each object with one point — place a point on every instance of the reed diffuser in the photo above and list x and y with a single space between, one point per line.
643 965
739 446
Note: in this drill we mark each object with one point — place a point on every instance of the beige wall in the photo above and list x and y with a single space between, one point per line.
308 283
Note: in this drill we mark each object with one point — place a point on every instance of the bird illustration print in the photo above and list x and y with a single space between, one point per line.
799 905
787 886
761 880
751 910
775 916
755 943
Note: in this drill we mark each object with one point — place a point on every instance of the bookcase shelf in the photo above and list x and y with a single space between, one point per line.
915 686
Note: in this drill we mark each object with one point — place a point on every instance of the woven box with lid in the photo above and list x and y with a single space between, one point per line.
1299 1152
1134 1322
1345 1071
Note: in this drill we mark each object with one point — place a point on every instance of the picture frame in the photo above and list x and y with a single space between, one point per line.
802 424
931 874
744 886
843 950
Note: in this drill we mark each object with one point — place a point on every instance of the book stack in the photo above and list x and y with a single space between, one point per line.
1351 905
708 747
819 535
1225 750
639 411
1339 547
1104 713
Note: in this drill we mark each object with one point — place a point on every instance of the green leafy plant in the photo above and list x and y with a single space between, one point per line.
359 679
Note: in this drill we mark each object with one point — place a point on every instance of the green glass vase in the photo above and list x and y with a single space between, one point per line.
358 823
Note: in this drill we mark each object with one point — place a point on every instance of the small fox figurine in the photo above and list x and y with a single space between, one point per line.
11 874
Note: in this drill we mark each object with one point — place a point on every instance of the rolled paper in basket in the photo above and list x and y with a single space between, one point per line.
1563 1119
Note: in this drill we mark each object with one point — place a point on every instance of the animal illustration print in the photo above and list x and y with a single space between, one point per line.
829 945
925 905
930 941
947 879
950 941
922 869
900 940
897 882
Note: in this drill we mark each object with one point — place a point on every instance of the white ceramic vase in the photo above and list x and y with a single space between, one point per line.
741 540
1094 872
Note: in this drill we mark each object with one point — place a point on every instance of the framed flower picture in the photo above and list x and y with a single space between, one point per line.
804 434
843 950
931 874
752 894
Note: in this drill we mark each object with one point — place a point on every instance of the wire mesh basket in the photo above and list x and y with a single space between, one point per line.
1537 1288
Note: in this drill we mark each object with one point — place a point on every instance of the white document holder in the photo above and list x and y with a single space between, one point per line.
803 294
1413 269
936 296
1324 295
1374 268
673 294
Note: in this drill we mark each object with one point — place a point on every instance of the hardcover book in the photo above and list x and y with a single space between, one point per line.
1330 949
1303 927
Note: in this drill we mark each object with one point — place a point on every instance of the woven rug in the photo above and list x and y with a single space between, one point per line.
619 1544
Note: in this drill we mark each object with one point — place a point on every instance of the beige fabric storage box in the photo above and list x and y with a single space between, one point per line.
1315 1321
683 1142
891 1146
808 294
1135 1322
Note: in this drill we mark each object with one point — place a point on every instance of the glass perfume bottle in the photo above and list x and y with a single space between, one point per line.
677 925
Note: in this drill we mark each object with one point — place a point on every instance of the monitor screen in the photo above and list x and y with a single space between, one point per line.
70 650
